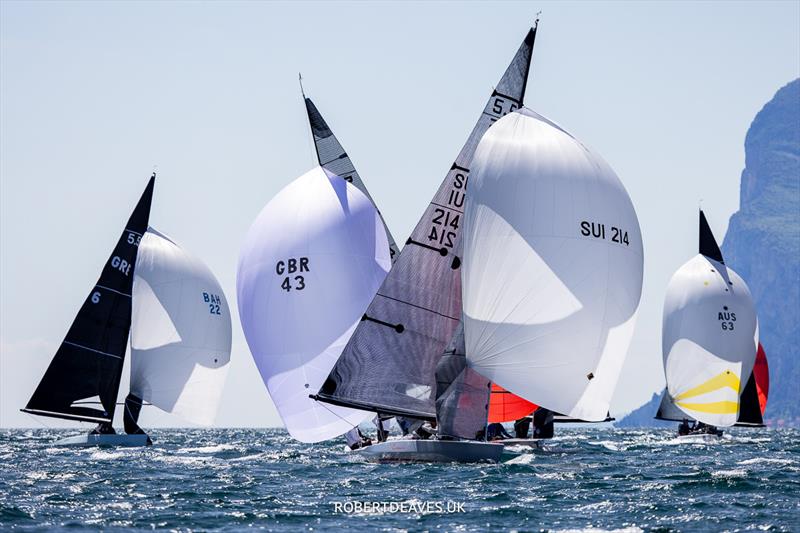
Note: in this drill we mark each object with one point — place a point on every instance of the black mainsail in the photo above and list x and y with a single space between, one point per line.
89 361
389 363
332 157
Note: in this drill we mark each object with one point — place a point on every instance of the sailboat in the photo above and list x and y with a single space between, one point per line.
709 343
553 266
503 405
390 364
180 329
309 266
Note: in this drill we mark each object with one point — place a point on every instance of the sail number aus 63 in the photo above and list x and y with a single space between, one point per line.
598 231
292 266
213 301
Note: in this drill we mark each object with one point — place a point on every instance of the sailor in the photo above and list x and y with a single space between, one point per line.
383 432
543 424
496 431
356 439
684 428
103 428
522 427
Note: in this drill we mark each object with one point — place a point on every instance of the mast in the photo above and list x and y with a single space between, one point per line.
389 364
333 157
88 363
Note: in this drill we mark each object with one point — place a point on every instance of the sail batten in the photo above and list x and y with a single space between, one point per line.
89 361
386 368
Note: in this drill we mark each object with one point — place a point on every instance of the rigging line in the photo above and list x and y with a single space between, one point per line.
418 307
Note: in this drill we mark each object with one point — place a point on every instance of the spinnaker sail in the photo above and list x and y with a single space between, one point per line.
88 363
180 333
505 406
553 266
389 364
310 264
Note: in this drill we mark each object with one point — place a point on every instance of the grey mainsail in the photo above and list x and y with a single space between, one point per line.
332 156
390 362
462 395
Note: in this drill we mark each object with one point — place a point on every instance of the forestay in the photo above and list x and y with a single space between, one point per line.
309 266
709 337
389 364
552 267
180 333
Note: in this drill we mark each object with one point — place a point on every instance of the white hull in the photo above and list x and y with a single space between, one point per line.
699 438
104 440
533 443
432 451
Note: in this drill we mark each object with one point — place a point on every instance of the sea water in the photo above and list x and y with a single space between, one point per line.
234 479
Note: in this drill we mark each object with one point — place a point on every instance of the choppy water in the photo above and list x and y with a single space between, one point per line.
235 479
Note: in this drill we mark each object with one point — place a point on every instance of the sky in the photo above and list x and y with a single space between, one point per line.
94 96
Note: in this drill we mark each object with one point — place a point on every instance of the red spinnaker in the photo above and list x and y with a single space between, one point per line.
505 406
761 373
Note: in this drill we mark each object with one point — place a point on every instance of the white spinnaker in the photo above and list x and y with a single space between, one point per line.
180 331
709 340
323 240
549 311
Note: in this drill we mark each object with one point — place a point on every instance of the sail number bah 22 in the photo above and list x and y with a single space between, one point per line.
291 271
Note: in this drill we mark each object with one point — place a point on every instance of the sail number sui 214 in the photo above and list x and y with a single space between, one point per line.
292 266
446 219
598 231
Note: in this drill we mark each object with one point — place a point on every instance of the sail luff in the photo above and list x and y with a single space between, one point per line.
89 361
392 356
338 162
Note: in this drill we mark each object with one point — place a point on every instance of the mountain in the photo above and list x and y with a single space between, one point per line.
643 416
763 244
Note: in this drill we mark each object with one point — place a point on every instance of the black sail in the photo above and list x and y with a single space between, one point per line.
332 157
89 361
749 408
390 361
708 244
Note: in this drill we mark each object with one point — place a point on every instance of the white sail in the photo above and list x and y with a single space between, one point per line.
552 272
310 264
180 331
709 340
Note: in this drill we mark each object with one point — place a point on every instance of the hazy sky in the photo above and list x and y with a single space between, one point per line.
93 95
